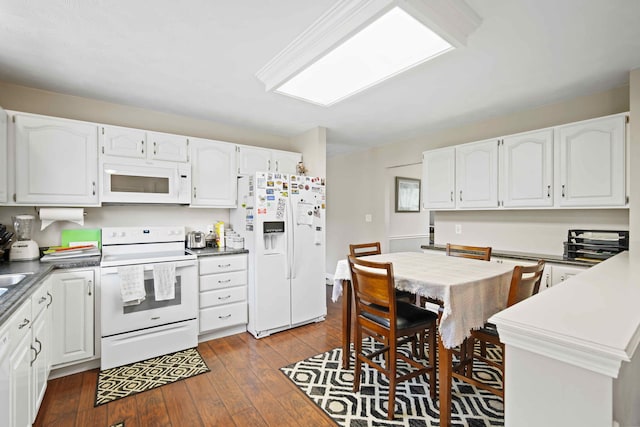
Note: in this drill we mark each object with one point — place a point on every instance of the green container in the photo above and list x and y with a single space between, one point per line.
81 235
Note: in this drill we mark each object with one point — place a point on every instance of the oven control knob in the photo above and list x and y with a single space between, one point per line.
114 234
122 234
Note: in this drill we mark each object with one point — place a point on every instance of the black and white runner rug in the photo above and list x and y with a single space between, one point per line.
323 380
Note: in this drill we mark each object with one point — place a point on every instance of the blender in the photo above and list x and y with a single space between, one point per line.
24 248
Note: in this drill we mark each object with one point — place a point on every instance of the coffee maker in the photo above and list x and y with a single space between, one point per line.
24 248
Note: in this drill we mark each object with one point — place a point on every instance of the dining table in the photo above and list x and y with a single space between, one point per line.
469 291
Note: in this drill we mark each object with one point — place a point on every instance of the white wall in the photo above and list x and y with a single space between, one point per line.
406 231
356 184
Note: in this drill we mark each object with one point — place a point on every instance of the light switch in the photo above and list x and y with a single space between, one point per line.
367 218
458 228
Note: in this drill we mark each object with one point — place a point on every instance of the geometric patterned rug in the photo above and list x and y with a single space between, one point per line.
323 380
123 381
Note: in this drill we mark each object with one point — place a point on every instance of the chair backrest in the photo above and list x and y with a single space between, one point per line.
525 282
474 252
364 249
373 288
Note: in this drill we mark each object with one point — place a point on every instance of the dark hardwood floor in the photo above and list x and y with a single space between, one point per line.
244 387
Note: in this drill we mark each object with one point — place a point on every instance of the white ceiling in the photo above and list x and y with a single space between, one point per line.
198 58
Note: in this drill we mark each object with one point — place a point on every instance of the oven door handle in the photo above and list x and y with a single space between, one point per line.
149 267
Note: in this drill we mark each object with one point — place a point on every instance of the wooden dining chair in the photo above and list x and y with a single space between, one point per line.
482 253
373 248
474 252
525 282
391 323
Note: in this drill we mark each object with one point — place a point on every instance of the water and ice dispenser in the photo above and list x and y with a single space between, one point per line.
273 237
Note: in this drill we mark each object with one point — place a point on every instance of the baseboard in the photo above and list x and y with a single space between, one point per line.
220 333
74 369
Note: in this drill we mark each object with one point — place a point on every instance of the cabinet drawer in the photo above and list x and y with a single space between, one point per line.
40 300
20 323
223 316
223 296
224 280
221 264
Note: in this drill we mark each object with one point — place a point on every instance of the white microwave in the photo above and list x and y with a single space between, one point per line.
143 181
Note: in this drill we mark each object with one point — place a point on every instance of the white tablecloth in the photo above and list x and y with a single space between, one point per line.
471 290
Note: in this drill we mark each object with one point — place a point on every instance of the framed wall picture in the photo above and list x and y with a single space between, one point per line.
407 194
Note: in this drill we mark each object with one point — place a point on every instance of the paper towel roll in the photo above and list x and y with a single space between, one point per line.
51 215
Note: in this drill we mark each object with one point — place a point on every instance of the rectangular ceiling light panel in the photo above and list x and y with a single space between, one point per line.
390 45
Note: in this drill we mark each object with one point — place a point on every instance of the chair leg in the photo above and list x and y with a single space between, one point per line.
358 364
392 382
483 349
471 343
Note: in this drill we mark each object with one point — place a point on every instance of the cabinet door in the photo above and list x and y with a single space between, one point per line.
41 343
526 172
285 162
252 160
477 175
123 142
214 178
73 314
592 162
560 273
4 197
438 178
20 383
56 161
165 146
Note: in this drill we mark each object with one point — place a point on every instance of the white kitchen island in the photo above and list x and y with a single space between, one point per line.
571 351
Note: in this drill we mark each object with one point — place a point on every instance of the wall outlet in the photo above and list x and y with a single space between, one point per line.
458 228
368 218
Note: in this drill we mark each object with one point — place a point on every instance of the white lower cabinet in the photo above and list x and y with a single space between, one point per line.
223 294
41 344
73 315
20 372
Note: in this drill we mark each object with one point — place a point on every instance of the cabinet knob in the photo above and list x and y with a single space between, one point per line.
194 192
562 190
452 195
460 195
24 323
89 290
50 299
548 191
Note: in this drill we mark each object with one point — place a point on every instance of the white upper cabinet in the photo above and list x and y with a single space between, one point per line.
285 161
141 144
165 146
578 165
477 175
213 173
255 159
592 162
526 169
4 153
56 161
438 178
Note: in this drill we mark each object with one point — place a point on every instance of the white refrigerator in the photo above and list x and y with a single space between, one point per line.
282 220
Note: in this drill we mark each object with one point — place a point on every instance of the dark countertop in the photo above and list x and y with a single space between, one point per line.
16 295
216 251
523 256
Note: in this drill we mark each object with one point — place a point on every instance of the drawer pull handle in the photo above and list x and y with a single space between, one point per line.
50 299
224 281
24 323
155 318
42 299
224 317
224 265
225 297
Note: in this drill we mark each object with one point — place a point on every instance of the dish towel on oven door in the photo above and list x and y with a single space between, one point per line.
132 284
164 280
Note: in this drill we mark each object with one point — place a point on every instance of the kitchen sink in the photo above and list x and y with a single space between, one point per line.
11 280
